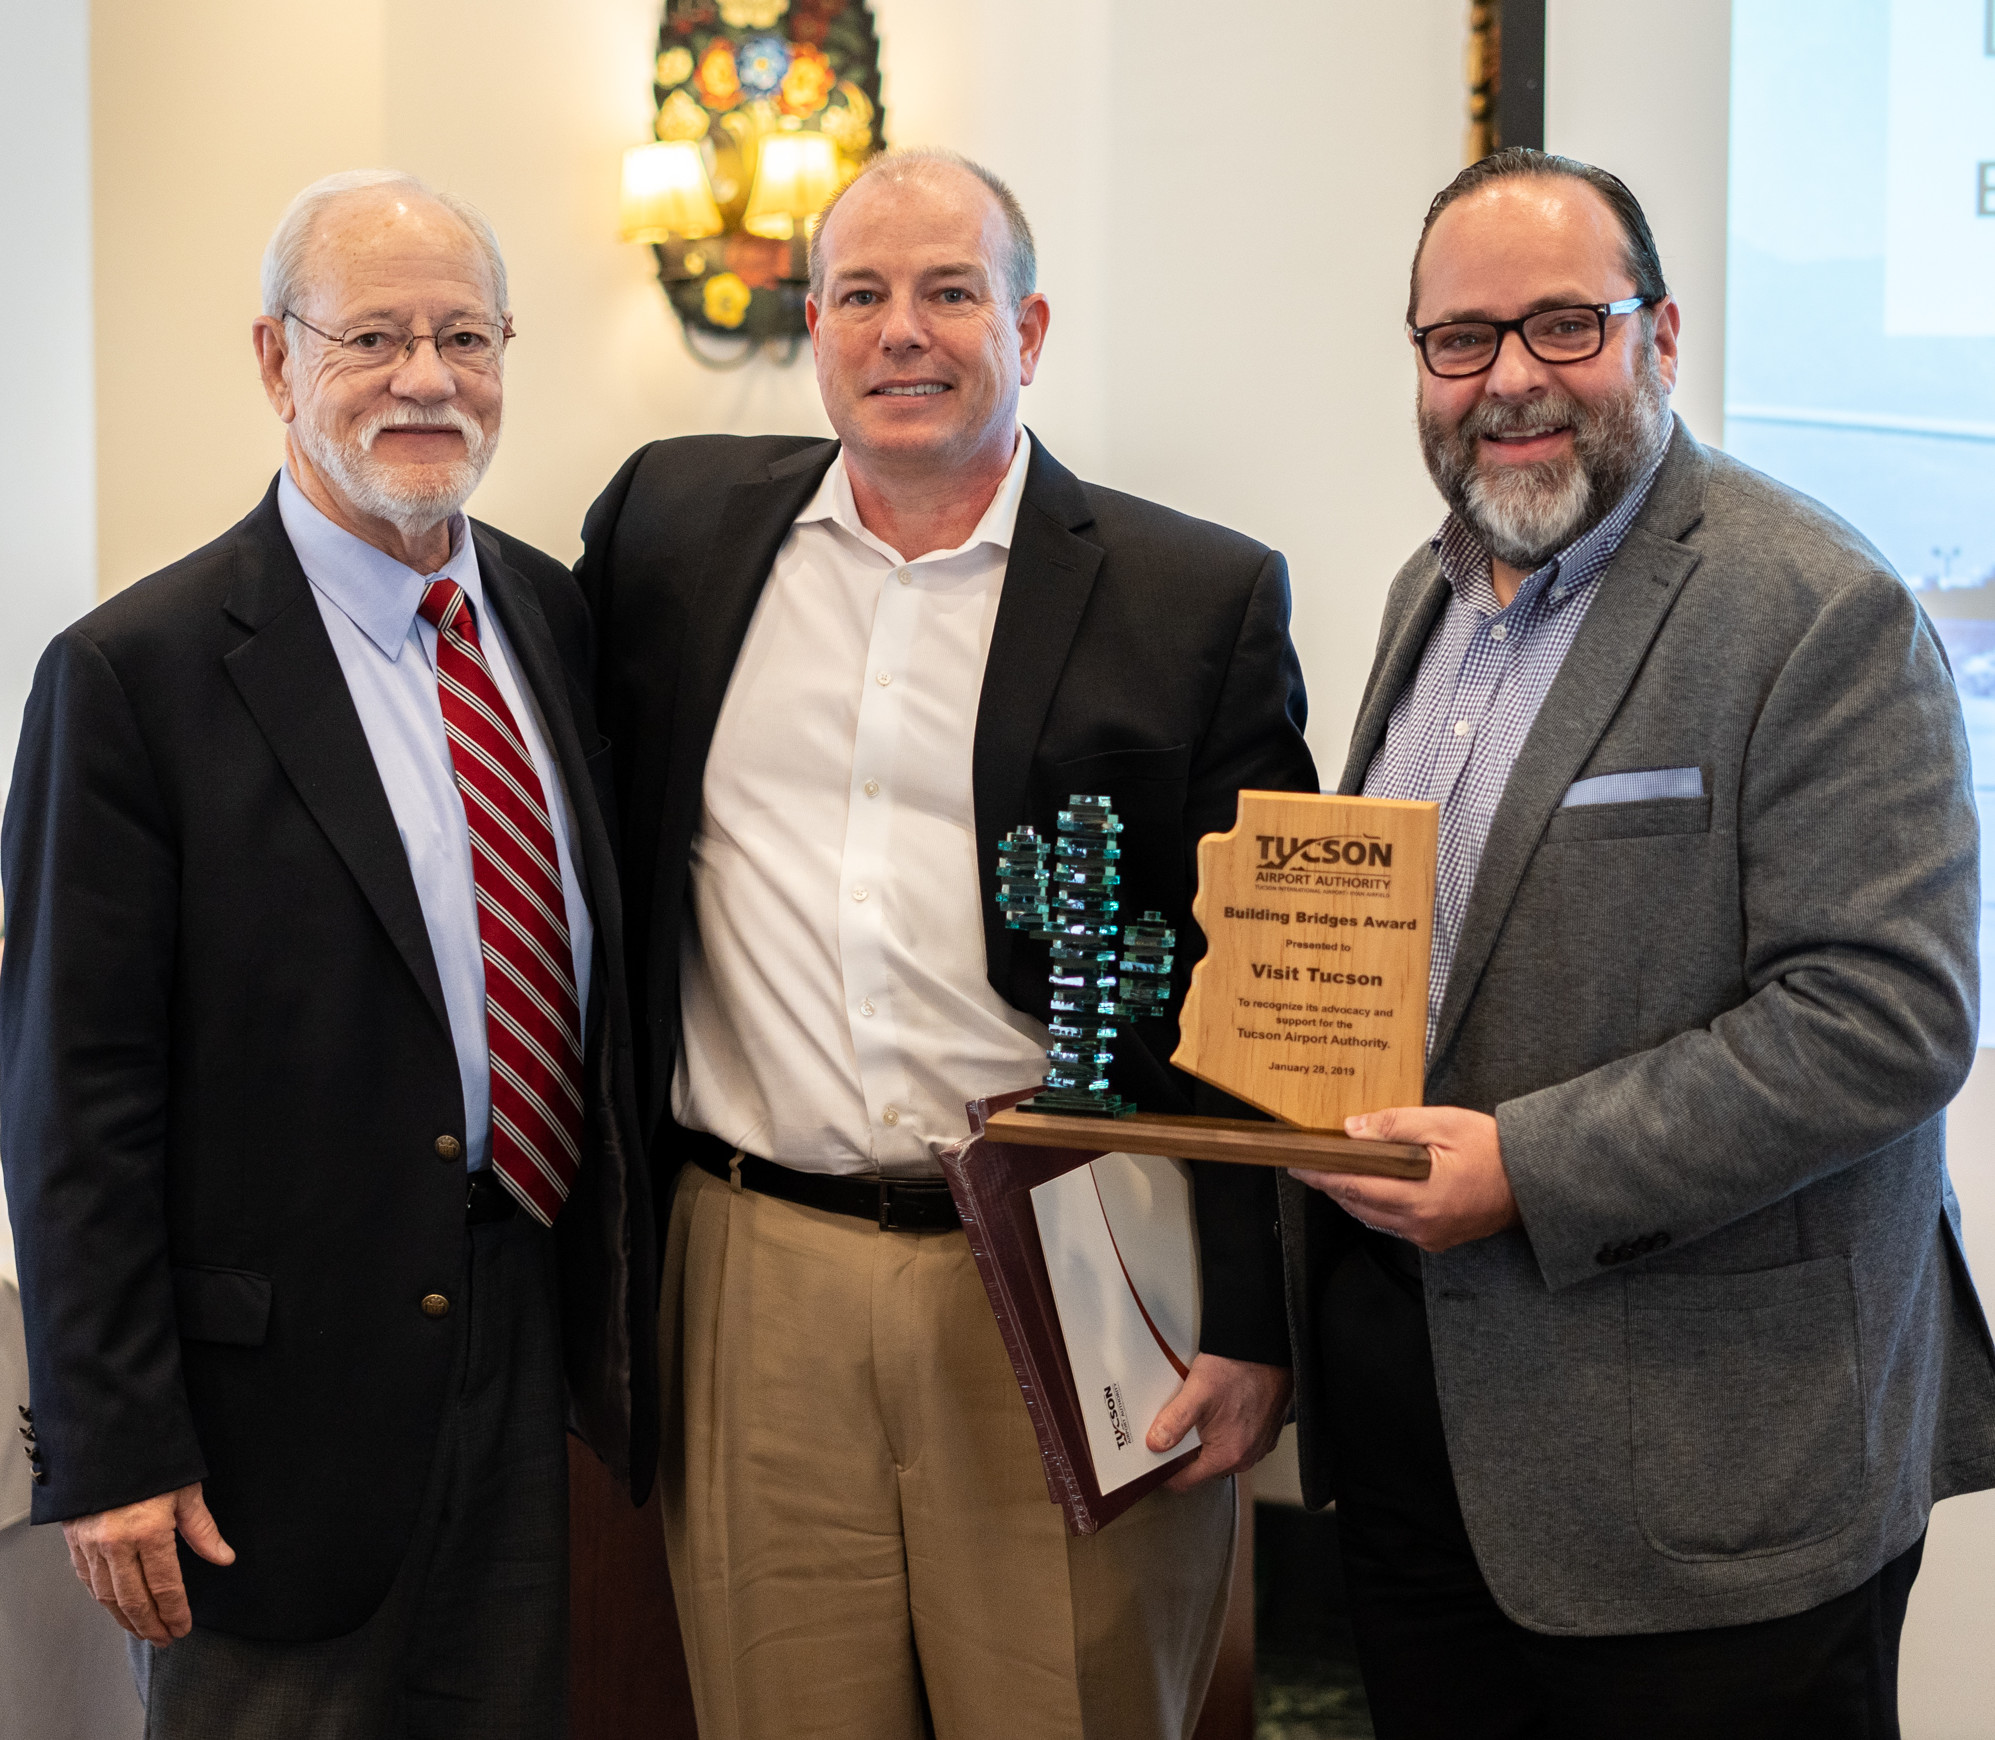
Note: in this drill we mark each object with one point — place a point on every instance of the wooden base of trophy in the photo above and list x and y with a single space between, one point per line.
1243 1141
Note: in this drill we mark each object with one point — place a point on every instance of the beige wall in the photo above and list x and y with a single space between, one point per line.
1227 298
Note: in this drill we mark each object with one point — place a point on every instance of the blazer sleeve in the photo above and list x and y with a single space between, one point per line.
1253 742
92 886
1858 849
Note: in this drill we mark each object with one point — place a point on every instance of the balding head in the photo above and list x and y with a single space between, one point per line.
380 196
1019 265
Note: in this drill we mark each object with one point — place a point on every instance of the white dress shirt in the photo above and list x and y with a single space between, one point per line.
836 1010
368 602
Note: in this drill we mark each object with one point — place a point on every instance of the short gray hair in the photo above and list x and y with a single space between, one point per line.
1021 262
284 259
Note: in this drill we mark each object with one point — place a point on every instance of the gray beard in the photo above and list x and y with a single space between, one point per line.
1525 514
413 506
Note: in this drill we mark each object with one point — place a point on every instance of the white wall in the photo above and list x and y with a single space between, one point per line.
1649 97
48 473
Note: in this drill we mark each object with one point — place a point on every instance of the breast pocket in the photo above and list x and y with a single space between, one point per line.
1649 819
1746 1408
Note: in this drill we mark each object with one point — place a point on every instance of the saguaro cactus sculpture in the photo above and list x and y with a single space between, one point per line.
1072 906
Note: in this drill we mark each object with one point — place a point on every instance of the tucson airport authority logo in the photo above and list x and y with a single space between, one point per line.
1118 1421
1343 863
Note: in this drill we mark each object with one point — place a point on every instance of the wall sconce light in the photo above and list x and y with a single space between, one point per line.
765 109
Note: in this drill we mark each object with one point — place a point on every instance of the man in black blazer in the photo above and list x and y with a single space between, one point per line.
836 673
280 1198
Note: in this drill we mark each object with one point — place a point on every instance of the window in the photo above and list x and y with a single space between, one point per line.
1860 318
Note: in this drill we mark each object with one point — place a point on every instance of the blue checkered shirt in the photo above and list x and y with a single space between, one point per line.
1457 728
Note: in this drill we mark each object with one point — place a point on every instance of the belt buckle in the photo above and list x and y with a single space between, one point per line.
886 1206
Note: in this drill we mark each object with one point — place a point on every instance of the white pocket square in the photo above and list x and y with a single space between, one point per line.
1636 787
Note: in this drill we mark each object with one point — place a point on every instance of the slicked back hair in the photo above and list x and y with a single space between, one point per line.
284 279
1643 263
1021 261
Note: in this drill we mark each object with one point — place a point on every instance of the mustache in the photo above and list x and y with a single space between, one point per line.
410 416
1489 418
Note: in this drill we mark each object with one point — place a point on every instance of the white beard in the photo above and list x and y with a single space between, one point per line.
412 499
1522 512
1525 514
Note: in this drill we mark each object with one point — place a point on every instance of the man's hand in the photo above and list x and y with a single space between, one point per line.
1238 1408
127 1560
1467 1196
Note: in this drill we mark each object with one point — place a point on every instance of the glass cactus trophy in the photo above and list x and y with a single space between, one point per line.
1072 905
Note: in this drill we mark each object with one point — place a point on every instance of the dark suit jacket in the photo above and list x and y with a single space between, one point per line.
226 1069
1136 653
1732 1355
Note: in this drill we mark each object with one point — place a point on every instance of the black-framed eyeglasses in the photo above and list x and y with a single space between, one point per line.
373 344
1457 348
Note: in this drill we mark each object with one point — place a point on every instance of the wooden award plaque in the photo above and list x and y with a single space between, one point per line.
1311 1001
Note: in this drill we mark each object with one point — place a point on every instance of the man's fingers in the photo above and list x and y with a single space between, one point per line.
1174 1419
134 1593
198 1529
161 1565
79 1560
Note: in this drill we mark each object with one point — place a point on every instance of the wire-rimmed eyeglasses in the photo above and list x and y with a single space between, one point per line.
1454 349
463 344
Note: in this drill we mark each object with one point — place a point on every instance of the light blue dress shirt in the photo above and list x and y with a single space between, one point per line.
388 654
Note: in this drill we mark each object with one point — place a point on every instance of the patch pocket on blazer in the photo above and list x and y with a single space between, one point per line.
1637 821
1746 1406
226 1305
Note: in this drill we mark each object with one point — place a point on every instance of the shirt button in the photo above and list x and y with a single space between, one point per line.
449 1148
871 788
865 1005
1461 727
435 1305
1499 632
892 1115
904 576
858 894
884 678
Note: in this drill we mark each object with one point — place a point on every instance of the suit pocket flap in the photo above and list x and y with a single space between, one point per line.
1118 767
226 1305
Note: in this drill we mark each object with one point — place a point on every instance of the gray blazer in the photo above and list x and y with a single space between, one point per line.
1733 1355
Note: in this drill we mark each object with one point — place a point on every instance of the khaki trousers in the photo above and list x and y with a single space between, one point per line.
855 1513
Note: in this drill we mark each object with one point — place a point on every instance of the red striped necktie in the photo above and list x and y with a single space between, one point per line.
531 1020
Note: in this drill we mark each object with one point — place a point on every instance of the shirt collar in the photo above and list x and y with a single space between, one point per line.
1465 561
376 593
833 501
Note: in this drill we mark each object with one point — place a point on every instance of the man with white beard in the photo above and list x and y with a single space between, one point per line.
318 1139
1634 1410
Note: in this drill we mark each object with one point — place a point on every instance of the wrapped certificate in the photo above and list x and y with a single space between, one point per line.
1090 1259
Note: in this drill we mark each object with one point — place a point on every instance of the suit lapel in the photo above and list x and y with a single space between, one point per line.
1635 596
1047 581
290 679
1398 659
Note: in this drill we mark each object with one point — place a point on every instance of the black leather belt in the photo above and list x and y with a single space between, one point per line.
487 1200
891 1204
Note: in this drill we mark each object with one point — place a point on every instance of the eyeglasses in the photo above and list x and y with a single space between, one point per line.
1456 348
464 344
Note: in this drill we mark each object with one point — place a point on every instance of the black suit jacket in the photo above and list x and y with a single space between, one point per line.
227 1066
1137 653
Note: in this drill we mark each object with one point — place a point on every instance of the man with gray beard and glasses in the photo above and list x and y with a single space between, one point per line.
318 1135
1635 1409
